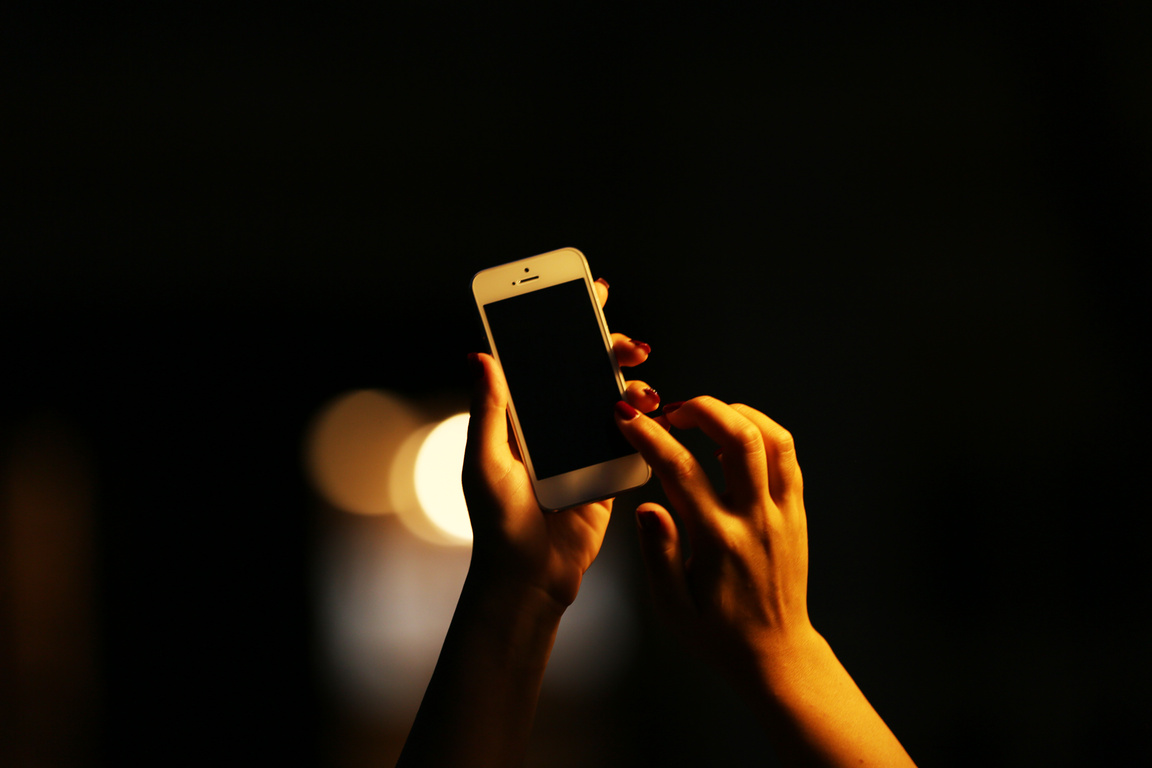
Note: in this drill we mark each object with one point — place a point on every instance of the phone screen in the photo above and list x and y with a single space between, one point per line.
560 376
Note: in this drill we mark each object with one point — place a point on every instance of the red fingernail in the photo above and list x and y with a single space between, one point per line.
602 280
649 522
626 411
670 407
474 365
643 345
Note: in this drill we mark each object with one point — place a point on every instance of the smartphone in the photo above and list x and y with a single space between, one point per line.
548 334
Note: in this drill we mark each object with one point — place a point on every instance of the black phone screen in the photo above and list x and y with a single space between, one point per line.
560 376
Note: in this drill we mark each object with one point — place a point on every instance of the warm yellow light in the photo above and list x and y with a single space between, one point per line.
352 444
437 478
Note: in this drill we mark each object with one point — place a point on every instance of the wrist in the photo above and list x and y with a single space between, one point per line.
515 623
775 664
504 596
509 579
817 713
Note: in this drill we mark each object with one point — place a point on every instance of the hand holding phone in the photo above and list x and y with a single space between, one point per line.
514 535
546 329
526 568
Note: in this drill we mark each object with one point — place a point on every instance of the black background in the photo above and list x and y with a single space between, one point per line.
917 237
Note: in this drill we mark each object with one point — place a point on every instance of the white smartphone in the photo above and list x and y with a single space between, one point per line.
548 334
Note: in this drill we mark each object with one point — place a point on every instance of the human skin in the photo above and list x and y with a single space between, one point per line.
742 596
526 569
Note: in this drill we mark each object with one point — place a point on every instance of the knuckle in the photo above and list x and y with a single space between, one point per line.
679 466
749 437
795 480
784 442
728 537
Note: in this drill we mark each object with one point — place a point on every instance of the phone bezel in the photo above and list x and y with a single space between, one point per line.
516 278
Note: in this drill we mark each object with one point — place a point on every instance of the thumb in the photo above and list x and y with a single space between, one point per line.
487 447
664 562
487 420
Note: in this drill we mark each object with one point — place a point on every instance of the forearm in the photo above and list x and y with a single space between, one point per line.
479 706
818 715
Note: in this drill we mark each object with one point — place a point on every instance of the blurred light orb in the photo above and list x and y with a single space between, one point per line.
437 478
351 446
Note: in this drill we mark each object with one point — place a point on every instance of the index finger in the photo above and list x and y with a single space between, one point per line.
682 477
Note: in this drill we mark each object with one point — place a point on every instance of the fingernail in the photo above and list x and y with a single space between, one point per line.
642 345
671 407
649 522
475 367
602 280
626 411
652 393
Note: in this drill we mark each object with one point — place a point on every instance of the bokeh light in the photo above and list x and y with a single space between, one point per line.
372 452
353 442
386 601
437 478
431 457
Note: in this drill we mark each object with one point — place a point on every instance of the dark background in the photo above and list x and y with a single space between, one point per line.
917 237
